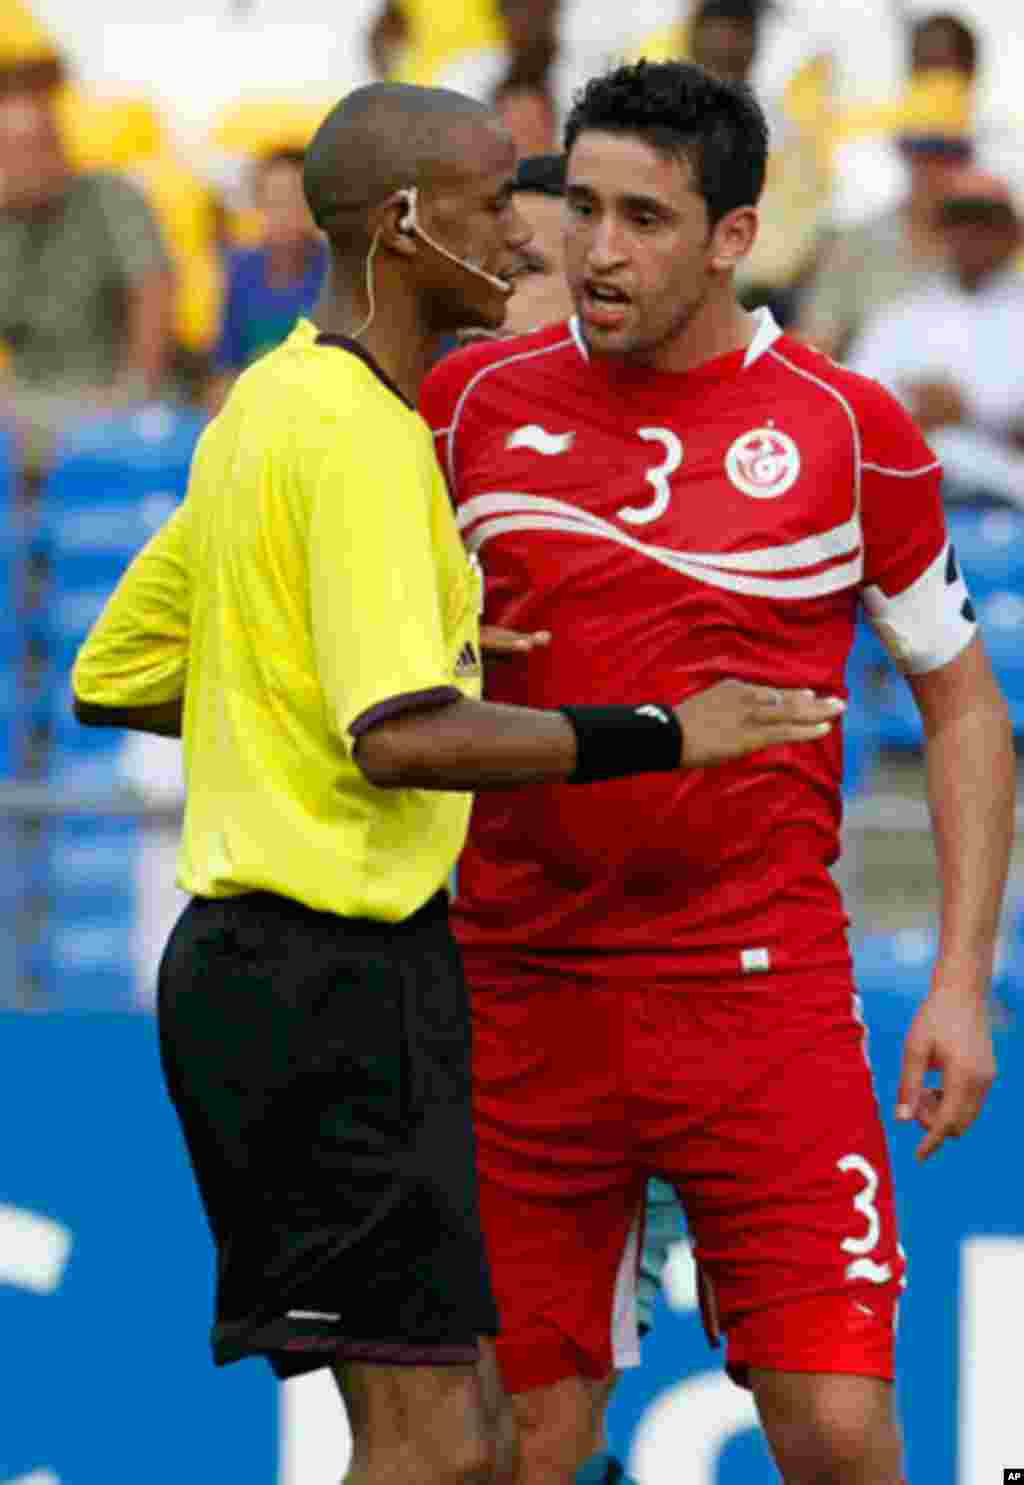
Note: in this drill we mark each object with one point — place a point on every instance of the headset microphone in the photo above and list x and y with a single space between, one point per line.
408 222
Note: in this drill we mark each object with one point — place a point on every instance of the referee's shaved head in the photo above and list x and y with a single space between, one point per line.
377 140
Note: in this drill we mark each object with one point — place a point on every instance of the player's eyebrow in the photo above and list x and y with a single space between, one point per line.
635 202
629 201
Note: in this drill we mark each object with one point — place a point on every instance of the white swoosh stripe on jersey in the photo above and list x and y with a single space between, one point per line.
810 551
903 474
453 427
816 585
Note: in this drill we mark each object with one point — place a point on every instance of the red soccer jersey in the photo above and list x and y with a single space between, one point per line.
672 530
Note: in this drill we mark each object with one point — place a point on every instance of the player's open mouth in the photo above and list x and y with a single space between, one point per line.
604 305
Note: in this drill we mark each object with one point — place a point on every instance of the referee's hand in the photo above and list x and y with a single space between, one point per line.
734 718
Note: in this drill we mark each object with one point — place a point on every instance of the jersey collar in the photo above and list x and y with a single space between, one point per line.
767 333
355 349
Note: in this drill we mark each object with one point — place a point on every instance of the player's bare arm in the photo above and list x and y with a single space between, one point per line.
477 745
971 777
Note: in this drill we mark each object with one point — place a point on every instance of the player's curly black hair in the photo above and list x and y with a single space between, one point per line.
681 110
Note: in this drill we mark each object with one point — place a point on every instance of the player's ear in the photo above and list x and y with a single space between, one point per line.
733 237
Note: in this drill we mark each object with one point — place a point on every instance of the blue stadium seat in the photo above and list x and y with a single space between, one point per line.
990 547
899 722
86 962
113 483
1013 984
84 957
1002 623
894 962
901 963
86 874
860 727
12 622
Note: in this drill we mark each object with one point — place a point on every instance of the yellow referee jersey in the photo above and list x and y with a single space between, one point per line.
312 581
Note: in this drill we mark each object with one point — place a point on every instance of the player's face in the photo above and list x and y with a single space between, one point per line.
641 257
474 215
542 294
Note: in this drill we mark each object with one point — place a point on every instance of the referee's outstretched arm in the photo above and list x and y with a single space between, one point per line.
471 745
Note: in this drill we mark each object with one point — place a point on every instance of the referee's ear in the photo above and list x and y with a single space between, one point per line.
386 223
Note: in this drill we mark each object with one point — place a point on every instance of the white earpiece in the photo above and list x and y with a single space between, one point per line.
408 222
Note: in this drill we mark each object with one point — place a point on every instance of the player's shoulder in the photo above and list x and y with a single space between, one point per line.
457 373
878 416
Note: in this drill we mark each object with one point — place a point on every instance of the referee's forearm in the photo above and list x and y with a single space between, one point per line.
468 745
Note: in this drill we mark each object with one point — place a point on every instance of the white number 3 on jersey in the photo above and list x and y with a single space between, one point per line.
657 477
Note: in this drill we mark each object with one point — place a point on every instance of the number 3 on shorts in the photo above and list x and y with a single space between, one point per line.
863 1267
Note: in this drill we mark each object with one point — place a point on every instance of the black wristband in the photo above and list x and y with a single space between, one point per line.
613 742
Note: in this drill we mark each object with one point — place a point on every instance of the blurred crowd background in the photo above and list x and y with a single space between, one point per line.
154 241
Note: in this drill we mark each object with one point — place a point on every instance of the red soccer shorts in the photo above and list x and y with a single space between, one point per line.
753 1096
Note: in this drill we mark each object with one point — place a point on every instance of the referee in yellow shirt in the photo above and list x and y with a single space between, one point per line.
307 621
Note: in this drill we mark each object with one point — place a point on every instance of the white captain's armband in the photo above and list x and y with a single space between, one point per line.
929 623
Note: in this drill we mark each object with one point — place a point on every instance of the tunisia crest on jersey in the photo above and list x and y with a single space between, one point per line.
763 463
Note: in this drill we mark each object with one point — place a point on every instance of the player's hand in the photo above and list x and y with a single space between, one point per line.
499 644
734 718
951 1035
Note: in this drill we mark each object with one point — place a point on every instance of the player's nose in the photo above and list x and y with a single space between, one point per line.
606 247
518 231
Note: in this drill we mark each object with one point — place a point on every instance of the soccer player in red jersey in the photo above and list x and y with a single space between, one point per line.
661 977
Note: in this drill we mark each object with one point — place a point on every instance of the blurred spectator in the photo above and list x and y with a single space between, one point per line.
529 113
542 294
86 286
870 265
515 75
415 40
242 134
125 133
387 38
270 286
943 42
30 60
725 39
941 58
190 218
951 352
725 36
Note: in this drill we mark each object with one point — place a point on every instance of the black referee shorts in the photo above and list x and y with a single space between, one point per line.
320 1067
